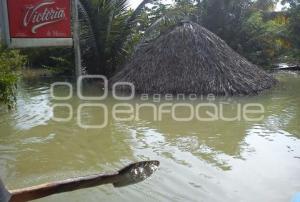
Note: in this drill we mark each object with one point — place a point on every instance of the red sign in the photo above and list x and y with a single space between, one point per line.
39 18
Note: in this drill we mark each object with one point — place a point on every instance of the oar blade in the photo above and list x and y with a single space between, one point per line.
4 194
136 172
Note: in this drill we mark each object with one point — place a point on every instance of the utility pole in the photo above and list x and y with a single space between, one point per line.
76 30
4 22
1 23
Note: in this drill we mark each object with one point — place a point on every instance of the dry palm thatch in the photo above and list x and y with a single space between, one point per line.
189 59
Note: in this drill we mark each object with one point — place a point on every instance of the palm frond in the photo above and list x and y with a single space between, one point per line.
110 22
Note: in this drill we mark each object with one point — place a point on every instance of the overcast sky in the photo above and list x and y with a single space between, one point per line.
135 3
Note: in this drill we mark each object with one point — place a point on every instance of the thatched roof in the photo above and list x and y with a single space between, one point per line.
190 59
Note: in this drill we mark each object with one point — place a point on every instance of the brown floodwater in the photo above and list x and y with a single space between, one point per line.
238 160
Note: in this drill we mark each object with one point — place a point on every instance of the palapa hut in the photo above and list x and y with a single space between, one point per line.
189 59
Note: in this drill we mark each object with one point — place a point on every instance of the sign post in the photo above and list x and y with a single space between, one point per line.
1 23
76 30
37 23
4 23
41 23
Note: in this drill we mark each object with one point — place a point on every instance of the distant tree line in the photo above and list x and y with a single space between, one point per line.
251 28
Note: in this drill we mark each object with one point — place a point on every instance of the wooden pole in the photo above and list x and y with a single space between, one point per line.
4 23
131 174
1 23
40 191
78 70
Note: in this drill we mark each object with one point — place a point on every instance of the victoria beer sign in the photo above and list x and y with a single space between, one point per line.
46 22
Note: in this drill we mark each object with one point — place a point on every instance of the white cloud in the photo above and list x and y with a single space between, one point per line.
134 3
278 7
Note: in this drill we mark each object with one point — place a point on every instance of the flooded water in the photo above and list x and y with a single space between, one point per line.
239 160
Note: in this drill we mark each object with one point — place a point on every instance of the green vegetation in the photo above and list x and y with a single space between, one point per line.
10 62
294 29
251 28
56 60
111 25
110 30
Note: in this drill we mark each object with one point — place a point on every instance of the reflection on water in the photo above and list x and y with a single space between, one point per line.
200 161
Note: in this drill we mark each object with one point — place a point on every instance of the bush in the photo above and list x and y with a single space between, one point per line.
10 62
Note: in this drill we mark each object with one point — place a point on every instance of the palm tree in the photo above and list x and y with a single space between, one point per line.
110 24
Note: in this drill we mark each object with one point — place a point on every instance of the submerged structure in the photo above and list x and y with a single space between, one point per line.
189 59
